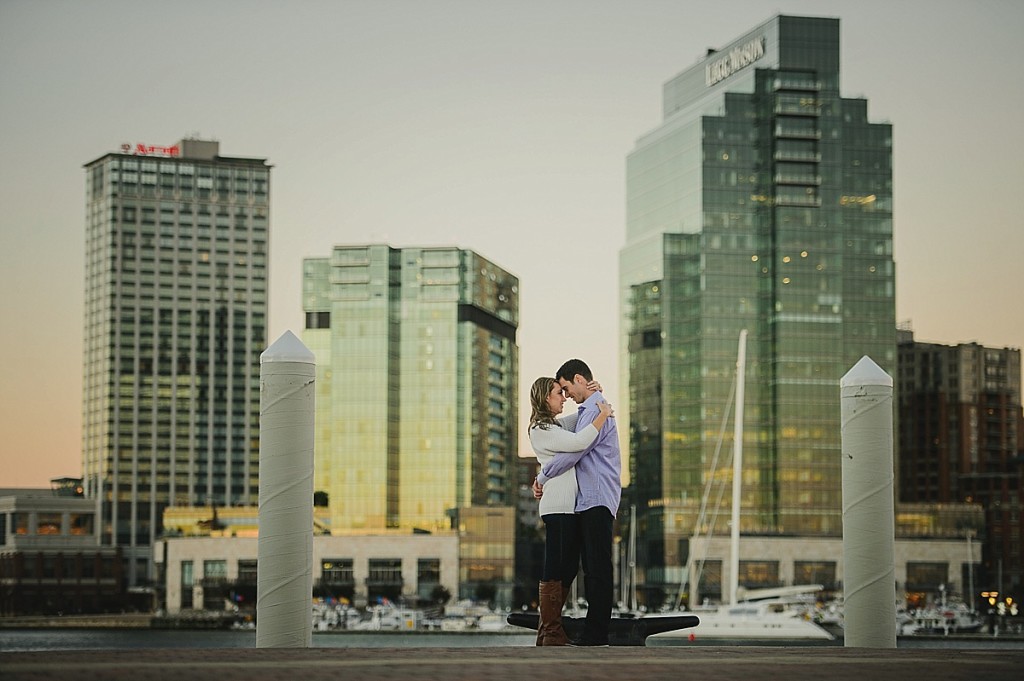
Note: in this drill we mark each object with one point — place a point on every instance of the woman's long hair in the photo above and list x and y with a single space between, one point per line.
540 414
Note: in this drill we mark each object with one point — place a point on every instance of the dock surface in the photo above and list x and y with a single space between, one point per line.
532 664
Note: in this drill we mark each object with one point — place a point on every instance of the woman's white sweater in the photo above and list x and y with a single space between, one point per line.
560 492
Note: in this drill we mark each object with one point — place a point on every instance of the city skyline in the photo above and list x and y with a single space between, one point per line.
467 125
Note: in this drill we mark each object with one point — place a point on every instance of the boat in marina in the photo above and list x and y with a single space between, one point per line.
750 621
385 616
944 619
767 615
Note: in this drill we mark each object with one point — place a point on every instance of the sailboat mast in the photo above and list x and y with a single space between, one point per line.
632 559
970 569
737 470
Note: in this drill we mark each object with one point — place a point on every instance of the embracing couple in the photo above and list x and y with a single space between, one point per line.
579 487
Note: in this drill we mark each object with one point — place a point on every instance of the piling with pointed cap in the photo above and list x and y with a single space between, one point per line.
869 574
284 585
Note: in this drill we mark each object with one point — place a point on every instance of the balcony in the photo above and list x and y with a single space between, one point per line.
803 201
798 156
809 108
796 85
802 179
789 132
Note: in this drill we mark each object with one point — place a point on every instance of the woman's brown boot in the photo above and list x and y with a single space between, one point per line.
549 629
542 632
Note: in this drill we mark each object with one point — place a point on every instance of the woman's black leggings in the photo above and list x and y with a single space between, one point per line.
561 547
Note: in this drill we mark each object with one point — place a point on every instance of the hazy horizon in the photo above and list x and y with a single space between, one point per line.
501 128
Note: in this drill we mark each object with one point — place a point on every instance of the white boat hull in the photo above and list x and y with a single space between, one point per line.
725 626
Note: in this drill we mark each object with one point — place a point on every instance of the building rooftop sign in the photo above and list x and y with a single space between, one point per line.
738 57
140 149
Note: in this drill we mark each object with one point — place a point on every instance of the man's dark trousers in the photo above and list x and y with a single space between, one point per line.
596 528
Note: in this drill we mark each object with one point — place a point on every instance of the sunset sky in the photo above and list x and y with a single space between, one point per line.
500 127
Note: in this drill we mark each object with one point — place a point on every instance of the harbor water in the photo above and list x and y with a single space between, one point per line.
28 640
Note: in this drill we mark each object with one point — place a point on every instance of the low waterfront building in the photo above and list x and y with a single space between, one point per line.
934 556
51 561
219 572
207 559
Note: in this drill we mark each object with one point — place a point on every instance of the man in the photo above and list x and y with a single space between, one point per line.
598 474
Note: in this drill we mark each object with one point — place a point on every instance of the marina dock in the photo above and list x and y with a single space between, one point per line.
535 664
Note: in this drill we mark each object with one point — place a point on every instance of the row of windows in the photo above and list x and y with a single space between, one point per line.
240 182
68 567
134 191
131 211
172 167
46 523
240 185
333 570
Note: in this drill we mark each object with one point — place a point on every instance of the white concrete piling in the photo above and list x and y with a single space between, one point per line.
285 547
869 574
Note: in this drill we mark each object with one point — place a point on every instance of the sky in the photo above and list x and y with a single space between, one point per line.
499 127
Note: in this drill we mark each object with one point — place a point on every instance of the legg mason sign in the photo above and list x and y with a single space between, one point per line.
738 57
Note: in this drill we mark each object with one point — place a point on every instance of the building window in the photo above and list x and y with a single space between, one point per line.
926 576
709 581
48 523
428 578
215 571
247 571
384 581
385 570
428 570
81 524
815 572
759 573
337 571
337 579
318 320
187 582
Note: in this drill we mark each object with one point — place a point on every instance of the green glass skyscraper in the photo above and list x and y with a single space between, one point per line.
417 368
762 202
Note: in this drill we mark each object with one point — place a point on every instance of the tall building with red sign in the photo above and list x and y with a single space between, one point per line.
175 321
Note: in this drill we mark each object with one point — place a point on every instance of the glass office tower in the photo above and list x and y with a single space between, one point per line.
762 202
417 370
175 321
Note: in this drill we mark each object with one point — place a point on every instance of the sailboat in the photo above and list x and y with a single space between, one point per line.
765 616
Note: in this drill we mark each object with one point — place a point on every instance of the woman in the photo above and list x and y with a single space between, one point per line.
549 435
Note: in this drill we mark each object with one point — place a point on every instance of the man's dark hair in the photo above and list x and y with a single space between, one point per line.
573 367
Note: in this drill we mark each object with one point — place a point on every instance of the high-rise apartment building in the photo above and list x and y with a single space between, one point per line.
417 370
762 202
175 321
960 441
